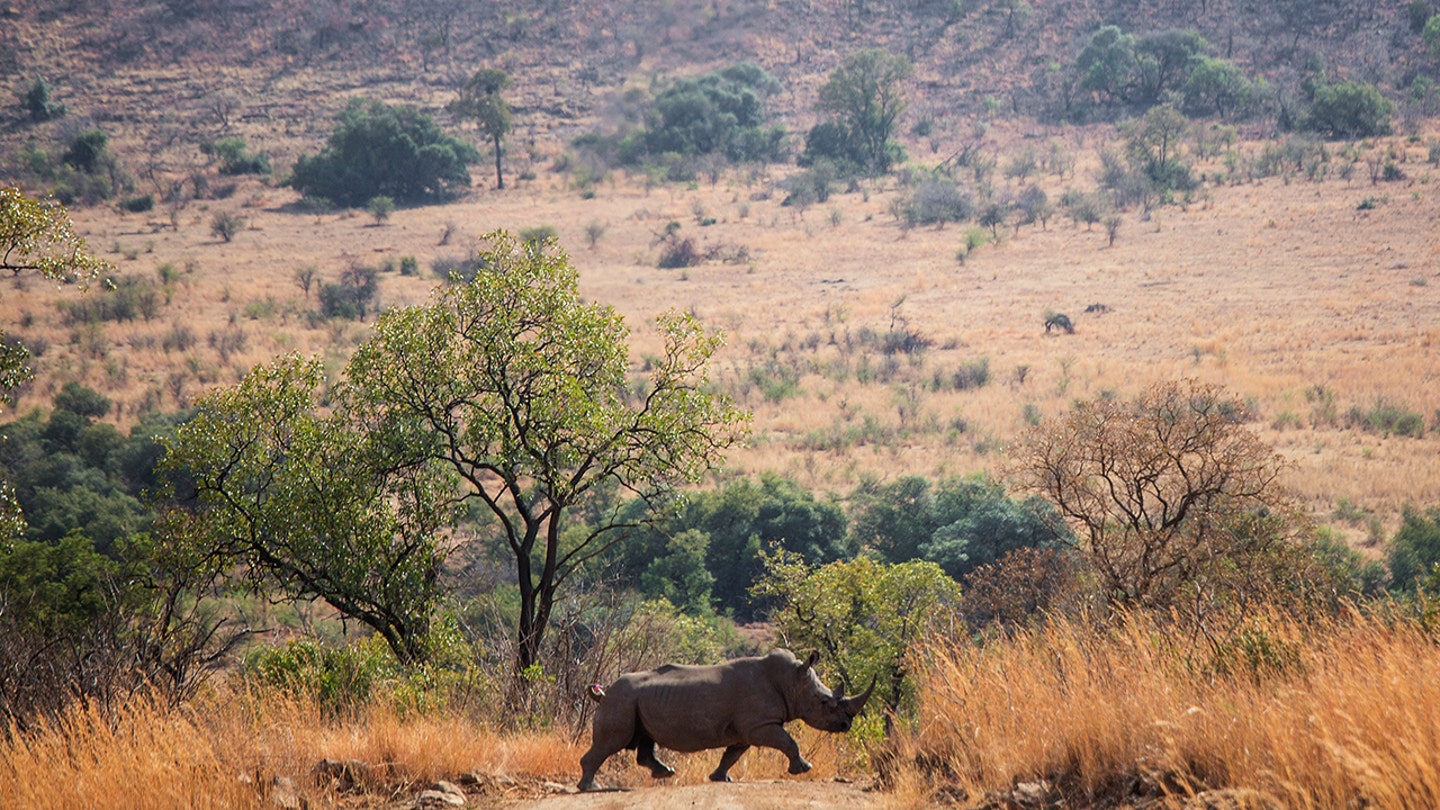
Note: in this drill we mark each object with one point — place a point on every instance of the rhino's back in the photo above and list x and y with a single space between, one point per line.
692 708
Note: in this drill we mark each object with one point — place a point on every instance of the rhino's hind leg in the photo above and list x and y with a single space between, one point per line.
778 738
645 755
728 759
590 764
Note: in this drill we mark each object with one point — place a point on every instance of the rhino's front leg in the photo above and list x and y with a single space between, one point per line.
778 738
727 759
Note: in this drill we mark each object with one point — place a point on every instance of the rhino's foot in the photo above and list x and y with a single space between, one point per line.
799 766
720 777
661 771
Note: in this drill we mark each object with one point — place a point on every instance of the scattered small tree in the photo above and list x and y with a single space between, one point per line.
864 97
481 101
1112 228
225 225
37 101
381 207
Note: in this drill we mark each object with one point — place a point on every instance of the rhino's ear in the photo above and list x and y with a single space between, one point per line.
813 659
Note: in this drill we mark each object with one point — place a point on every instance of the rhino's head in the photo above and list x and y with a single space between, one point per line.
823 709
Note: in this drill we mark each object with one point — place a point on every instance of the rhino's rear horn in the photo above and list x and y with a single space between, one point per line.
855 704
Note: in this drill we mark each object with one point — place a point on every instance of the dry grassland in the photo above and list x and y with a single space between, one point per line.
227 749
1279 289
1338 715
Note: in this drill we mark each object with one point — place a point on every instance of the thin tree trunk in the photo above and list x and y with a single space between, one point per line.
499 178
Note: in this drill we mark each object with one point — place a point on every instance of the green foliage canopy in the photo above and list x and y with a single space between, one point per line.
315 506
865 617
481 102
719 112
520 389
864 98
1348 110
379 149
711 549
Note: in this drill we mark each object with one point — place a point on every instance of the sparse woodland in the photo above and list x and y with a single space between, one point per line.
379 375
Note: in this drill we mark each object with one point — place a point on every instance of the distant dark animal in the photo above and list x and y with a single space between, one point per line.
1060 321
1097 309
734 705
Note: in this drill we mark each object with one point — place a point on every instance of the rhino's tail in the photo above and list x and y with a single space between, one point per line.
596 692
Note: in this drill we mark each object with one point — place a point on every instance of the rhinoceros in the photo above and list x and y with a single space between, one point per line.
734 705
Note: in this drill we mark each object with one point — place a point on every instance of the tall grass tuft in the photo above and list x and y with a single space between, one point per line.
1343 713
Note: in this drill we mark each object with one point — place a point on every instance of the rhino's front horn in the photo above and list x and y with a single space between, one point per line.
855 704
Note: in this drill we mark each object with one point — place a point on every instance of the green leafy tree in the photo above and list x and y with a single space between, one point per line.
311 505
1218 86
37 101
380 208
722 112
1430 35
865 617
1414 551
481 102
894 520
1164 61
35 236
378 149
864 98
961 523
520 390
1107 64
1348 110
739 521
1154 147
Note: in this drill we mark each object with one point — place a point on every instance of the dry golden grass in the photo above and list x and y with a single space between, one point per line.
1351 717
1270 288
225 750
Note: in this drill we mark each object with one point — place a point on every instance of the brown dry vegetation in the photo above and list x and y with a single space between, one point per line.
1287 715
227 750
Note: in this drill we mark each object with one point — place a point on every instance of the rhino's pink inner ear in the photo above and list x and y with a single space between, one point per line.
814 657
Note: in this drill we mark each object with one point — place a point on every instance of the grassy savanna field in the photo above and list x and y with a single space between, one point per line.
1310 292
1279 289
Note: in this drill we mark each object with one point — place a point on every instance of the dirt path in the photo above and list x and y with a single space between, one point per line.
735 796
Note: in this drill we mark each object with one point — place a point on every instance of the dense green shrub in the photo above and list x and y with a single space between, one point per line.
1415 550
138 204
722 112
709 553
960 524
939 200
1348 110
37 101
234 159
379 149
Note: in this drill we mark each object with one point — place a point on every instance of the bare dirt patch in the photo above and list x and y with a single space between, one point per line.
734 796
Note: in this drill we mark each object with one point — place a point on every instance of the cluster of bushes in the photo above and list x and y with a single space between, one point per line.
1120 71
85 171
720 114
377 150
